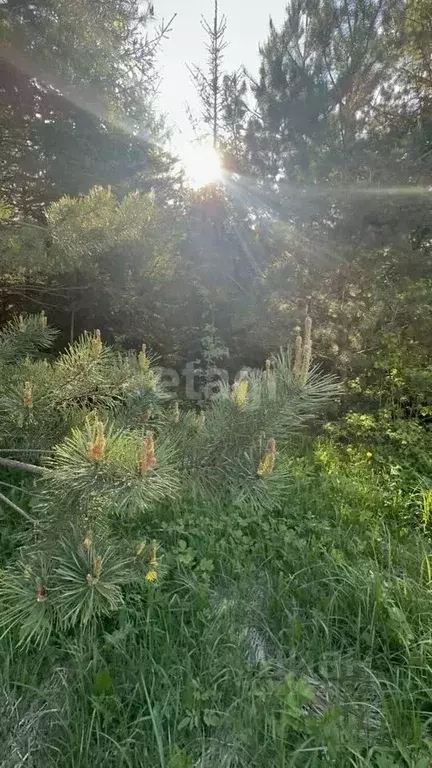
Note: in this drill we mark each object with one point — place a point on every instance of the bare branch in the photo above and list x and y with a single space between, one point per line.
18 509
13 464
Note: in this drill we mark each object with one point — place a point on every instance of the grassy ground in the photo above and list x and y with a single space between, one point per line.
300 638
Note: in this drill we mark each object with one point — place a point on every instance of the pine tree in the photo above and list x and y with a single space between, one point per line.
111 449
222 95
209 83
101 261
317 90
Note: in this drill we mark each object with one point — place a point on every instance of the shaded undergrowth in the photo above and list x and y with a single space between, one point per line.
300 637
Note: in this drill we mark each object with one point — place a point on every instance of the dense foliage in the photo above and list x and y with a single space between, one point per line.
241 579
75 94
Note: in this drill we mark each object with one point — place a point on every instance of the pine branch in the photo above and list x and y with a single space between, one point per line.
14 464
18 509
22 337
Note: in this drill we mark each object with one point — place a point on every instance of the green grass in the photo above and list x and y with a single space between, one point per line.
298 638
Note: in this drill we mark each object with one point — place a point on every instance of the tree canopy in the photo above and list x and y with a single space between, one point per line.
76 91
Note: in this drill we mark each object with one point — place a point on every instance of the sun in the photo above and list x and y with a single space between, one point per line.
201 164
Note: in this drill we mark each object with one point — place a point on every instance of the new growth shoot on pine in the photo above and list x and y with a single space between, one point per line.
240 390
147 458
266 465
303 352
96 449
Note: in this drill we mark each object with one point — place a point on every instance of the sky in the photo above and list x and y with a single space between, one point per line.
247 22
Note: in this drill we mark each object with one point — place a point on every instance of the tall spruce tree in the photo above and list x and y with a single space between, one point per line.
221 94
208 82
